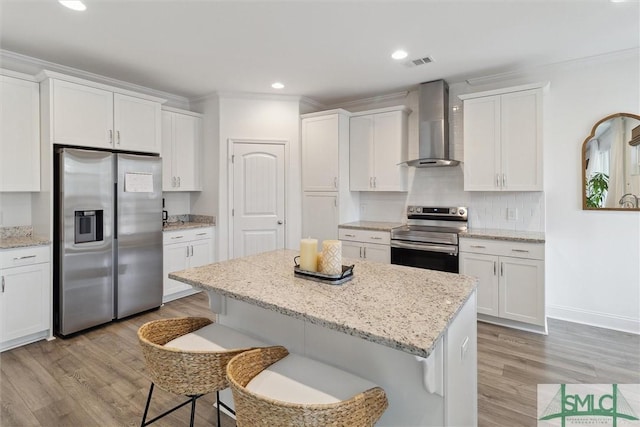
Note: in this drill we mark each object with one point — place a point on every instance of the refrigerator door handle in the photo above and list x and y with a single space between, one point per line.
115 209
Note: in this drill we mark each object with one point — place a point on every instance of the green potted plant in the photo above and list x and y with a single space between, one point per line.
597 186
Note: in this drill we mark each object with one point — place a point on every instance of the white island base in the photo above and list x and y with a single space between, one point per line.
438 391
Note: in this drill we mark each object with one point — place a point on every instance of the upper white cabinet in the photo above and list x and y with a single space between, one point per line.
503 140
88 115
181 150
19 134
378 144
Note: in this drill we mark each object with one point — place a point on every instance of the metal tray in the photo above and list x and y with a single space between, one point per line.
330 279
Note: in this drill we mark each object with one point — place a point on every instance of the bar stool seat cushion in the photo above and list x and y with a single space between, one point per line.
214 337
300 380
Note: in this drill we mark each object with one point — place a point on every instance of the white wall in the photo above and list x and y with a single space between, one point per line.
260 118
592 258
15 209
205 202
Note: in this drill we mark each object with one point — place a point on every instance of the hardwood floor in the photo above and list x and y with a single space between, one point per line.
98 378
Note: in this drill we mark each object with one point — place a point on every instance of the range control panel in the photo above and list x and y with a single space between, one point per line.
427 212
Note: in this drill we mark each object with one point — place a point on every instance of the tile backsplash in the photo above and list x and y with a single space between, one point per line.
444 187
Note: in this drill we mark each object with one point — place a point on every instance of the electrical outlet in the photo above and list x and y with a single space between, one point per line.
512 214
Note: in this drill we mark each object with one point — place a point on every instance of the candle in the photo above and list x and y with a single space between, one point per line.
309 254
332 257
320 262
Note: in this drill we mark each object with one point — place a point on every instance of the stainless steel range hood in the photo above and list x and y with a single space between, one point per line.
433 120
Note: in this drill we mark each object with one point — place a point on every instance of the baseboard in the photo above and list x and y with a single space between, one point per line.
513 324
593 318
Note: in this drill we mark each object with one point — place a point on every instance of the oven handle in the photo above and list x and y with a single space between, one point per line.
451 250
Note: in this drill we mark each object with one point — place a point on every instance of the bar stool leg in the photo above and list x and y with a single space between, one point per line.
193 410
146 408
218 406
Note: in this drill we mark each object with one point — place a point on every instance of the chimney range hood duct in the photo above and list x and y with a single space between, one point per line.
433 110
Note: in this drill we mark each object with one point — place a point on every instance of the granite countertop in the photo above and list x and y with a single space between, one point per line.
184 225
404 308
20 237
510 235
371 225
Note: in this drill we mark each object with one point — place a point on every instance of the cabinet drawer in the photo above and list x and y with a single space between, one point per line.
187 235
366 236
502 248
24 256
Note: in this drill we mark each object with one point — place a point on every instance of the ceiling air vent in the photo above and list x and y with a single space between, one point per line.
420 61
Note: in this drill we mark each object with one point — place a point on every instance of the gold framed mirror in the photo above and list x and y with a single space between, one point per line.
611 164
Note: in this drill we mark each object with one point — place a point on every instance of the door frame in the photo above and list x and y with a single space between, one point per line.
230 183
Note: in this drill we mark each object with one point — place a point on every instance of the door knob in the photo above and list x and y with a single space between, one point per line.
280 222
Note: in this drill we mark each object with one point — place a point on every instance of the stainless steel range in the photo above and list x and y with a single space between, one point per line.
430 238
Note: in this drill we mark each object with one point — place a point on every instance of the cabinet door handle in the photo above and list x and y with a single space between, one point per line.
191 250
118 137
370 182
376 238
502 268
360 251
3 284
178 181
110 136
349 235
498 180
173 181
335 182
478 246
524 251
335 202
177 237
364 249
374 182
24 257
201 234
504 180
494 267
187 251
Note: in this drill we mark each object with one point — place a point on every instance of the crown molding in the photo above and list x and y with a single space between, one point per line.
40 65
578 62
257 96
400 97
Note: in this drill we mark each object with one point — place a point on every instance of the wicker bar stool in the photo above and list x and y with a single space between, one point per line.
274 388
188 356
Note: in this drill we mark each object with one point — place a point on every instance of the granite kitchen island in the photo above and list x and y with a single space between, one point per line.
412 331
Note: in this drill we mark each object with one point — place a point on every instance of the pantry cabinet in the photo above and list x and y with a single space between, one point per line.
91 115
503 140
19 134
25 304
378 146
184 249
371 245
181 150
326 199
510 279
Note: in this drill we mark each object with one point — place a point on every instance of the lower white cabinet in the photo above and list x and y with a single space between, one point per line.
25 297
366 244
510 280
320 215
184 249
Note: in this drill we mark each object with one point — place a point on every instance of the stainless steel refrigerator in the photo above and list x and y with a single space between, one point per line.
108 236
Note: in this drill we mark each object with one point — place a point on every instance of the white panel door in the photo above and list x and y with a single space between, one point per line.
82 115
19 135
351 250
201 253
521 133
361 153
258 198
482 144
388 134
174 259
186 164
136 124
320 216
485 268
168 177
377 253
320 144
522 290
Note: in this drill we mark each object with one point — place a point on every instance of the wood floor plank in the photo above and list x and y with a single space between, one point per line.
99 378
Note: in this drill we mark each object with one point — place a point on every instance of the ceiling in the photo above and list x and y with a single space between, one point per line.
329 51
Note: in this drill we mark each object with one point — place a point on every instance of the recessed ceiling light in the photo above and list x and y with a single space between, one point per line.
73 4
399 54
277 85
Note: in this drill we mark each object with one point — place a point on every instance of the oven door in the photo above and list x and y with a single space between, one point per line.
425 255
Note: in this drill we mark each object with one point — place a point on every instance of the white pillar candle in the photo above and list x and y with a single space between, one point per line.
332 257
309 254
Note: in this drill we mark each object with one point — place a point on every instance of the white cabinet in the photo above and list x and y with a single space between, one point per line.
88 116
25 303
503 140
19 134
326 199
184 249
181 151
377 145
510 279
366 244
